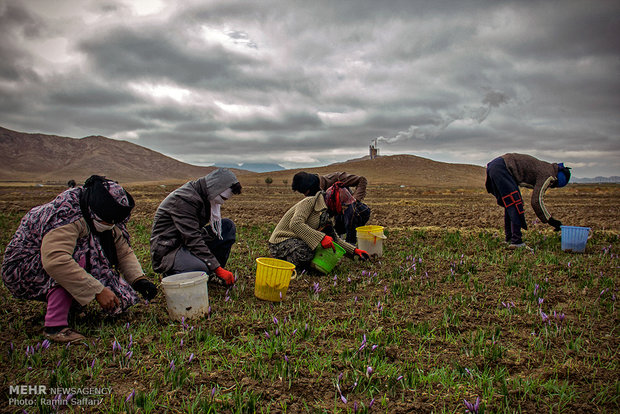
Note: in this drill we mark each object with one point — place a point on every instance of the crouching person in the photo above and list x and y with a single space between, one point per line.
74 249
189 233
349 219
310 223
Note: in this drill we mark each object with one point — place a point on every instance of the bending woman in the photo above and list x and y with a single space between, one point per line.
73 249
310 223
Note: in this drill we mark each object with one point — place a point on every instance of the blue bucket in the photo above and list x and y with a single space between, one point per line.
575 238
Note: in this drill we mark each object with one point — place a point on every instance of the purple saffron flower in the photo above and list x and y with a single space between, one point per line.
45 344
212 392
172 366
344 400
294 331
362 346
131 395
127 326
540 301
472 408
267 334
374 347
191 357
92 364
355 407
368 371
285 358
275 320
340 377
181 342
280 293
399 378
129 354
372 402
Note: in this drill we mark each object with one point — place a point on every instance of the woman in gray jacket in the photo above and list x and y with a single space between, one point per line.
189 233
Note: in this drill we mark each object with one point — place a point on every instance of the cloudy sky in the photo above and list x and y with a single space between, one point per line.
307 83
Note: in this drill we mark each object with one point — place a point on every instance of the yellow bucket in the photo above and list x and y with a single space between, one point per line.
370 239
272 278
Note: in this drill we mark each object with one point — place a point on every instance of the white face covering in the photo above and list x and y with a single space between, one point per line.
100 227
216 214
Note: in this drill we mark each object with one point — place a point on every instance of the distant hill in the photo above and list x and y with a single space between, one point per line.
396 169
596 180
253 166
43 158
55 159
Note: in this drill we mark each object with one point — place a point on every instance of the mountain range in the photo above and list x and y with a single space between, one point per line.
41 158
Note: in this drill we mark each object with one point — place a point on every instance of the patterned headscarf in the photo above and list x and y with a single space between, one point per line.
336 196
107 200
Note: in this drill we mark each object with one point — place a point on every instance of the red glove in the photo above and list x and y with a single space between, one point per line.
362 254
225 276
328 243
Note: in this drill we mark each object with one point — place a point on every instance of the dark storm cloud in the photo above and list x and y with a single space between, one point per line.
16 24
148 52
309 83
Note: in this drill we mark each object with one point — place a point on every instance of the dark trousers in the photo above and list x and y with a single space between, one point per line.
504 187
185 261
356 215
512 230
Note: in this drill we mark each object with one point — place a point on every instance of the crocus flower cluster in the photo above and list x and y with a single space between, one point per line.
508 305
472 408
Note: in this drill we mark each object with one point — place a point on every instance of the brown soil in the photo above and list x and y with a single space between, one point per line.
400 209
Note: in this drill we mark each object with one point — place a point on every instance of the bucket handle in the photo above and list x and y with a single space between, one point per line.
590 233
189 282
294 275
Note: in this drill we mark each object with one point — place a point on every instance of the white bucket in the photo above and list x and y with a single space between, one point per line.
187 295
370 239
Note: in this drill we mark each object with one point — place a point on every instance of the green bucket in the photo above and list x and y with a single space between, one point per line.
326 259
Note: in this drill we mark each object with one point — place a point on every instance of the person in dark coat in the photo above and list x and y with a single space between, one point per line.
356 214
504 176
189 233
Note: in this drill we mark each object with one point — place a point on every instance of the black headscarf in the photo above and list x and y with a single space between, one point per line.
96 199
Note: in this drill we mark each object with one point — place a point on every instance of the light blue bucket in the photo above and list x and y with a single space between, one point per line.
575 238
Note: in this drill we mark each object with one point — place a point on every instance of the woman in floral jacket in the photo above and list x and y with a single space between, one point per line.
73 249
